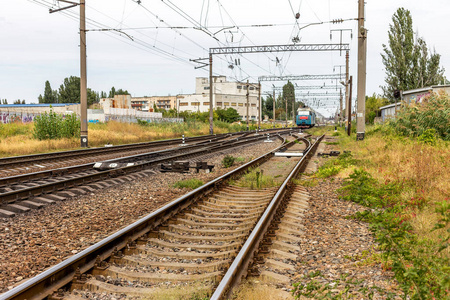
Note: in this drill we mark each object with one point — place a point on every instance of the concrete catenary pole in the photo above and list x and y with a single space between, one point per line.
83 76
260 109
248 127
346 81
211 94
340 107
273 108
286 100
361 98
349 107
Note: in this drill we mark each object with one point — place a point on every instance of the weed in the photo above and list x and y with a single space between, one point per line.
189 183
421 272
228 161
51 125
255 179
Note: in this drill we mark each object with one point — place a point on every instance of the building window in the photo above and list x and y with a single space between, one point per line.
206 88
253 105
239 87
226 103
251 88
240 104
184 104
219 104
205 103
195 103
233 103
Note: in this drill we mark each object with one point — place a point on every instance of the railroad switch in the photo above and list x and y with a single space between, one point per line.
331 153
182 166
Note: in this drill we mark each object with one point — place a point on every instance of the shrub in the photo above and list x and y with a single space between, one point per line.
428 137
432 113
54 126
228 161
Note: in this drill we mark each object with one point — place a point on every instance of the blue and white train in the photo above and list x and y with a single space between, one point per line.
305 118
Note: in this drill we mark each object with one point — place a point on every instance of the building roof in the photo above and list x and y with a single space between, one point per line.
425 89
38 105
390 105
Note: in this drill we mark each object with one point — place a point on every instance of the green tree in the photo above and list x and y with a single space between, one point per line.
373 105
408 64
50 96
17 101
229 115
289 95
122 92
112 92
4 101
69 91
103 94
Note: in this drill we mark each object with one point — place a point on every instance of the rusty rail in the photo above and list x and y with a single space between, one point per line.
240 265
47 282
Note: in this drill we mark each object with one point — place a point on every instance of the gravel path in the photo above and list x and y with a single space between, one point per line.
32 242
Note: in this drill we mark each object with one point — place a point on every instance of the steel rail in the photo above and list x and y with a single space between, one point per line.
17 160
242 261
13 196
44 284
5 161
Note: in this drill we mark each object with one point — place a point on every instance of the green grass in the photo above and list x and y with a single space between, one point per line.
189 183
255 179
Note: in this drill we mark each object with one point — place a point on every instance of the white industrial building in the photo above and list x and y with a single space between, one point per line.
225 94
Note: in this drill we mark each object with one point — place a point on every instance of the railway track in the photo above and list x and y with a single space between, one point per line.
24 192
193 238
10 166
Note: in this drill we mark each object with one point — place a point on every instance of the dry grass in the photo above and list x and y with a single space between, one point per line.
260 290
193 291
422 170
17 139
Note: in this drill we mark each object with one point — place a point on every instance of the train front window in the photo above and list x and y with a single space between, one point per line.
303 113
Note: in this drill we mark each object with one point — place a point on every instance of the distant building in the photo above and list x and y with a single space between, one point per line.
416 95
411 97
225 94
149 103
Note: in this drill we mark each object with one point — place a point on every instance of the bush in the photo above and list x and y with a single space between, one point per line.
54 126
432 113
228 161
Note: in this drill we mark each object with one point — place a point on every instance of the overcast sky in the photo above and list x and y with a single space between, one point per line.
153 59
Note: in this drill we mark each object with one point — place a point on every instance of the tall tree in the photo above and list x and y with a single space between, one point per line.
69 92
50 96
407 62
289 95
112 92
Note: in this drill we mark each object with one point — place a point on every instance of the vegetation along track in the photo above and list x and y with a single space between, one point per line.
194 237
22 193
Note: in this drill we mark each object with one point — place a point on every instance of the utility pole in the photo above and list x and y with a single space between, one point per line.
346 79
361 98
83 76
293 111
273 108
349 107
210 94
285 99
340 108
248 128
260 109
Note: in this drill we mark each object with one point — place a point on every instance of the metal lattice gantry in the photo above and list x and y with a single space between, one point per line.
317 94
279 48
261 49
300 77
311 87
